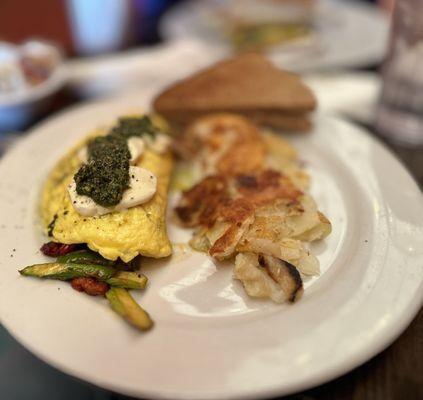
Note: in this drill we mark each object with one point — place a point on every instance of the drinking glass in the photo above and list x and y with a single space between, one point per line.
98 26
399 115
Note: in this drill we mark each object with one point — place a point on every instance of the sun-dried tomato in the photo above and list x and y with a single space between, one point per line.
54 249
90 286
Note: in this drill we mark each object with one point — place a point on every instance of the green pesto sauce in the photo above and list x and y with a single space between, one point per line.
128 127
105 176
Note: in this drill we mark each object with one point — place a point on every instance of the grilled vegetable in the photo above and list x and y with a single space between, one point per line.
84 257
90 286
123 304
128 280
284 274
54 249
66 272
267 276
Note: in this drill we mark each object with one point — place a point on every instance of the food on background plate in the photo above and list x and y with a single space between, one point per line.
103 205
251 205
248 85
260 24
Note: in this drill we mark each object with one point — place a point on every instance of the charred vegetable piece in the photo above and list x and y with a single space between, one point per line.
128 280
123 304
84 257
66 272
284 274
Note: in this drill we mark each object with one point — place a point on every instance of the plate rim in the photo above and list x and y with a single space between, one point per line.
367 351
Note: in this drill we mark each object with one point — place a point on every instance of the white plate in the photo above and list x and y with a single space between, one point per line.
210 340
348 34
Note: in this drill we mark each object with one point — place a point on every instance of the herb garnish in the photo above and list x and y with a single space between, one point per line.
50 227
130 126
105 176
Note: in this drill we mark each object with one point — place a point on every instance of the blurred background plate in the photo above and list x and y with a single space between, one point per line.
131 69
346 35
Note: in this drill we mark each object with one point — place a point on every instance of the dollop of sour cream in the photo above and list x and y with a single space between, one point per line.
160 144
136 146
142 187
142 182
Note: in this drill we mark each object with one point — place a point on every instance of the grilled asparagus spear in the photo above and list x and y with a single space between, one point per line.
128 280
66 272
123 304
84 257
91 257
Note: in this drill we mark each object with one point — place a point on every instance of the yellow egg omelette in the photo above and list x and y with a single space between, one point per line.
140 230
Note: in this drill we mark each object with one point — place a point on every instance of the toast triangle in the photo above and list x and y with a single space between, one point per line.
246 82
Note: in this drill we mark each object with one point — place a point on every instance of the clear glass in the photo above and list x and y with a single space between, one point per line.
400 112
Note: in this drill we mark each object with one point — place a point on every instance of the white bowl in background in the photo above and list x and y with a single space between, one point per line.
20 107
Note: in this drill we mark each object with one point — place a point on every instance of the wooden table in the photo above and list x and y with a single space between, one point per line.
394 374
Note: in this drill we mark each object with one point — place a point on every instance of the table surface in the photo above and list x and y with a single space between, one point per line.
395 373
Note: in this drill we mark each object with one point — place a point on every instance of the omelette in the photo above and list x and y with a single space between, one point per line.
124 234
